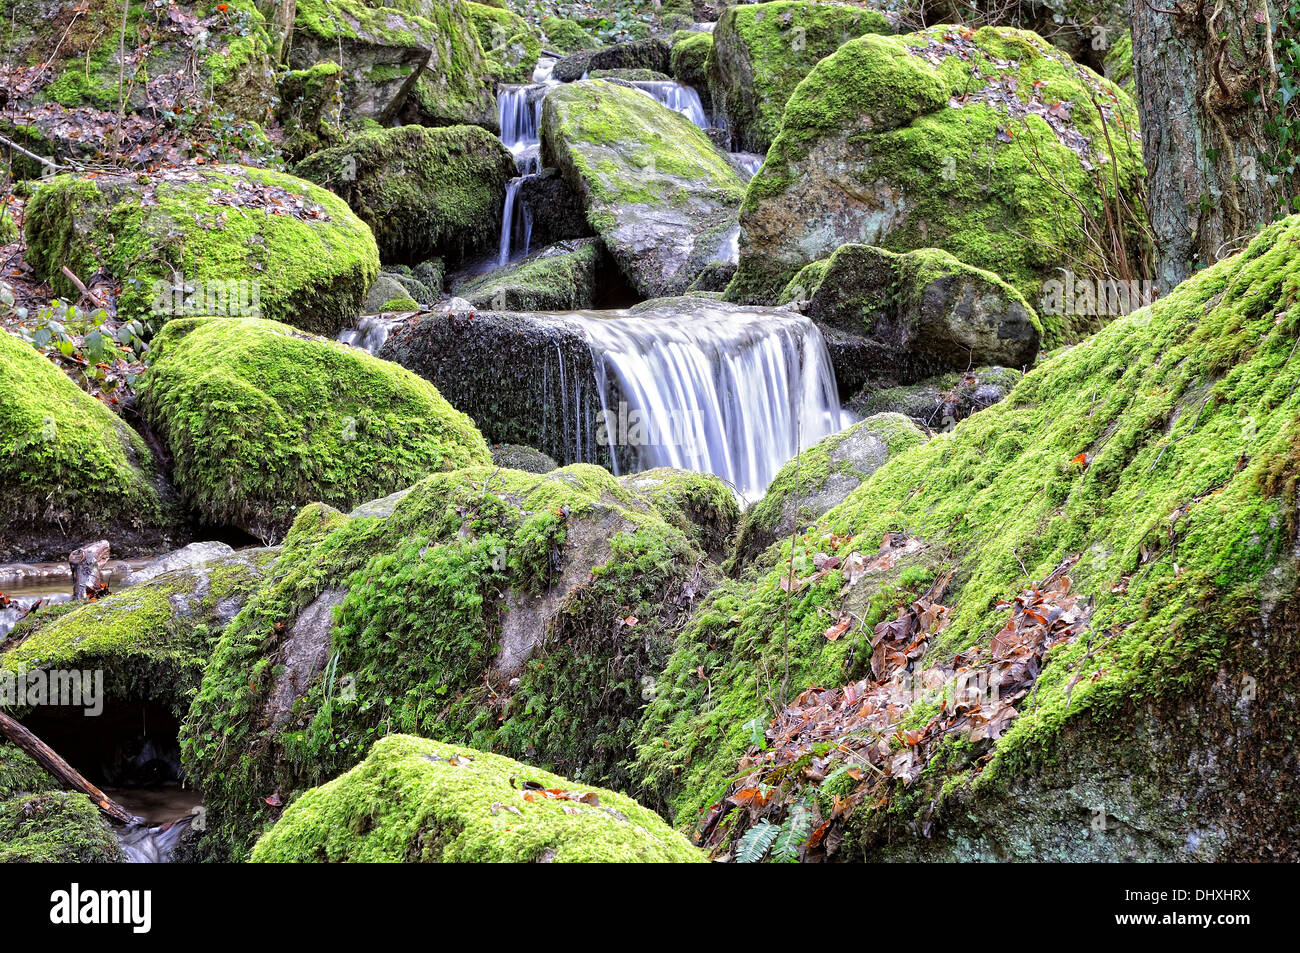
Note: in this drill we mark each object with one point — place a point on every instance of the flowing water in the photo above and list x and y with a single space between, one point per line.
24 586
678 98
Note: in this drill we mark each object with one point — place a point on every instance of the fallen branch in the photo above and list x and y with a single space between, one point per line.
50 760
48 163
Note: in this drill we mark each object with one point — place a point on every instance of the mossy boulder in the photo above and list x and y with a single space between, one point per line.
699 504
654 187
249 240
939 139
509 44
911 316
417 800
55 827
512 456
564 36
818 480
150 640
649 53
937 403
760 52
260 419
687 61
563 277
1119 63
1150 473
424 192
483 608
418 59
520 375
71 469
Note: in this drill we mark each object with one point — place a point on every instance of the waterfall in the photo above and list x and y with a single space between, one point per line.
678 98
507 218
728 391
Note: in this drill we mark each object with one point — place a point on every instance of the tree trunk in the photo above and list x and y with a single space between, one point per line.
87 564
1206 85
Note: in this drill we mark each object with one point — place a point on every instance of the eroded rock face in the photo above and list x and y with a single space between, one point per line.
1108 543
819 480
760 53
908 317
656 190
894 141
203 240
228 396
424 193
485 605
437 803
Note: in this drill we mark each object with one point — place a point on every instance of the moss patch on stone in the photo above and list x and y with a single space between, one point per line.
55 827
260 419
699 504
562 278
419 800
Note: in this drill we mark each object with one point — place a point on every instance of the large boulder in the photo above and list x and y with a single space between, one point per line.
414 800
658 192
761 52
947 140
39 823
71 469
650 53
400 57
424 192
912 316
483 608
688 61
1008 630
224 240
309 110
554 209
818 480
524 378
701 505
260 419
509 45
563 277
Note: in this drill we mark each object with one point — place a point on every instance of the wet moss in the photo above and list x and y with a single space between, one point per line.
55 827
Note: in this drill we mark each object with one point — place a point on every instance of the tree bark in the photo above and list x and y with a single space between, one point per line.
87 565
49 759
1206 85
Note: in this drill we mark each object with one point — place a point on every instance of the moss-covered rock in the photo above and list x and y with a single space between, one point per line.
484 608
940 139
563 277
512 456
816 481
649 53
911 316
250 240
688 58
55 827
1156 466
699 504
509 45
937 403
151 640
423 192
565 36
760 53
419 800
654 187
260 419
1119 63
71 469
310 110
415 59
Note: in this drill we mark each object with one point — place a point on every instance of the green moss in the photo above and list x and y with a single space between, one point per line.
260 419
508 42
310 109
20 775
431 592
565 36
970 180
65 458
564 281
55 827
424 192
310 271
400 304
690 53
418 800
1119 63
760 52
701 505
1181 514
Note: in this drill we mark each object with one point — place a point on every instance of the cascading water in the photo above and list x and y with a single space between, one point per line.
519 110
731 392
679 98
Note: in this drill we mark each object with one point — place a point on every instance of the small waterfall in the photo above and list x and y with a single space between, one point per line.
519 110
678 98
507 221
748 162
729 247
731 392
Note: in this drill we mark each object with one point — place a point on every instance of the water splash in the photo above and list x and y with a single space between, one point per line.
678 98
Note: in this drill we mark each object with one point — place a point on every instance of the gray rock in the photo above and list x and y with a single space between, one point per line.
385 289
194 554
938 403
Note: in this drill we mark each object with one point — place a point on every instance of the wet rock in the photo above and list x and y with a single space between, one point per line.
556 209
699 504
194 554
651 54
388 294
514 457
563 277
658 193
